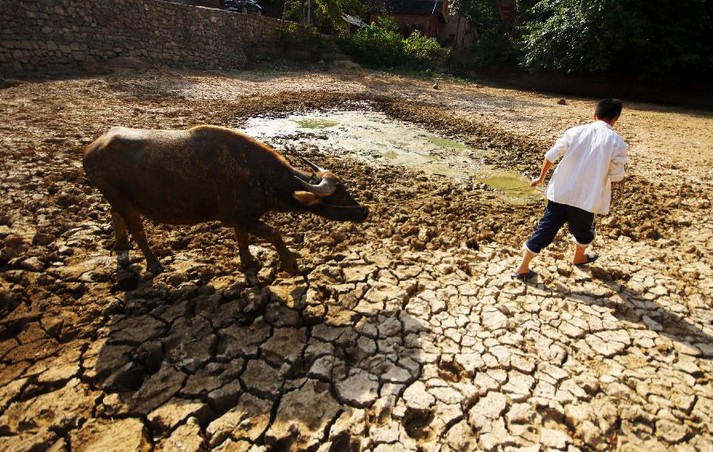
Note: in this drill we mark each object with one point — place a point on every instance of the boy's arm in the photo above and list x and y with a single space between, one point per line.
546 165
617 165
555 152
561 146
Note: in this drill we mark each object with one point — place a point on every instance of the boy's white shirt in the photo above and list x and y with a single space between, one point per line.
593 156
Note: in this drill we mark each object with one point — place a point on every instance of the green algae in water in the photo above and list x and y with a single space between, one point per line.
509 183
316 123
391 155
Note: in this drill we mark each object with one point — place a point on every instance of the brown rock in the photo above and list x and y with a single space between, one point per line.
212 377
285 345
243 341
226 396
168 416
303 415
247 420
118 434
136 330
157 389
262 378
671 432
186 438
41 440
64 408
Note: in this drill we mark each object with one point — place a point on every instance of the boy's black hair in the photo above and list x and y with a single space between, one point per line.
608 109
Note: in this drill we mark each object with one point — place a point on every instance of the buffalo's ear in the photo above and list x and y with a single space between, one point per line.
306 198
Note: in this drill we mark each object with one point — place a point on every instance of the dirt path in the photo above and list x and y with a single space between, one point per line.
402 333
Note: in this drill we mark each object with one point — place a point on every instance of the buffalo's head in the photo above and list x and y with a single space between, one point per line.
328 197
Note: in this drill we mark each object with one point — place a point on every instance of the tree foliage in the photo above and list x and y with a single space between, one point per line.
654 37
484 14
644 37
326 15
571 35
381 45
421 50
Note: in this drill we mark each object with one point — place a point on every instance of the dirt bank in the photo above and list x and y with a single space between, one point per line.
404 330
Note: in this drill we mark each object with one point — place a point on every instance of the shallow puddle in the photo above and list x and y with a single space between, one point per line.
508 182
375 137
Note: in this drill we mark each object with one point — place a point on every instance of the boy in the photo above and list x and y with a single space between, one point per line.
593 158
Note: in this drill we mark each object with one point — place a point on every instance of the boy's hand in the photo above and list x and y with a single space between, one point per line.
546 165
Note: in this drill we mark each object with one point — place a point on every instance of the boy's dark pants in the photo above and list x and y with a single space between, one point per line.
580 223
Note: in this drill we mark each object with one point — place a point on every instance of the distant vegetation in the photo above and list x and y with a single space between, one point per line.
649 38
378 45
381 45
644 38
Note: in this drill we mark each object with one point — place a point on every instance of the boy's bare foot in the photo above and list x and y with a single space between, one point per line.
588 259
524 276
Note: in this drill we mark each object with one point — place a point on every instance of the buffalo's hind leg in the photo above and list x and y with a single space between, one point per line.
129 218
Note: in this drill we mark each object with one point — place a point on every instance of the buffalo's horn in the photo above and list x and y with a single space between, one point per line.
325 188
312 165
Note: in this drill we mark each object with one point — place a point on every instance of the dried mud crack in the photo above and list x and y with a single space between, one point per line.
401 333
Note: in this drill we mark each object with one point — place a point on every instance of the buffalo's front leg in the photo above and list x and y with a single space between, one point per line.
121 234
126 217
121 241
246 259
136 228
288 261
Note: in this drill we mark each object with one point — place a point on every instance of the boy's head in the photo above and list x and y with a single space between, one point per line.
608 109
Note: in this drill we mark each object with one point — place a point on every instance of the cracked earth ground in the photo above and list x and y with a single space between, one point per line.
401 333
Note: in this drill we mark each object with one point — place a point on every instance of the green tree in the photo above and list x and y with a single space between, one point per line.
650 37
495 47
381 45
484 14
326 15
421 50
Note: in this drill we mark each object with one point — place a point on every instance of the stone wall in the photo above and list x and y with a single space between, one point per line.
72 35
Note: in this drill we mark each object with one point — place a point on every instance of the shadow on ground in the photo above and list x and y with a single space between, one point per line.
273 364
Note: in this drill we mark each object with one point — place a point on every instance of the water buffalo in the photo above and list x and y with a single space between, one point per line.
207 173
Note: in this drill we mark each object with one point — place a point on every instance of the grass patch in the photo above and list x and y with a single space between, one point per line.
316 123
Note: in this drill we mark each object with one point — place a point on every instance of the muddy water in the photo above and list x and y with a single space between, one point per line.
373 136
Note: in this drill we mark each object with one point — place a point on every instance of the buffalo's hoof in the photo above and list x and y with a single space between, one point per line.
289 266
250 264
154 268
122 258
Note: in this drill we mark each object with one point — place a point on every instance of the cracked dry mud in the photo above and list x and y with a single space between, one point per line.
402 333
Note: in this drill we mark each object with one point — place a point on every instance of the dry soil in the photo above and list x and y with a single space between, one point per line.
401 333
